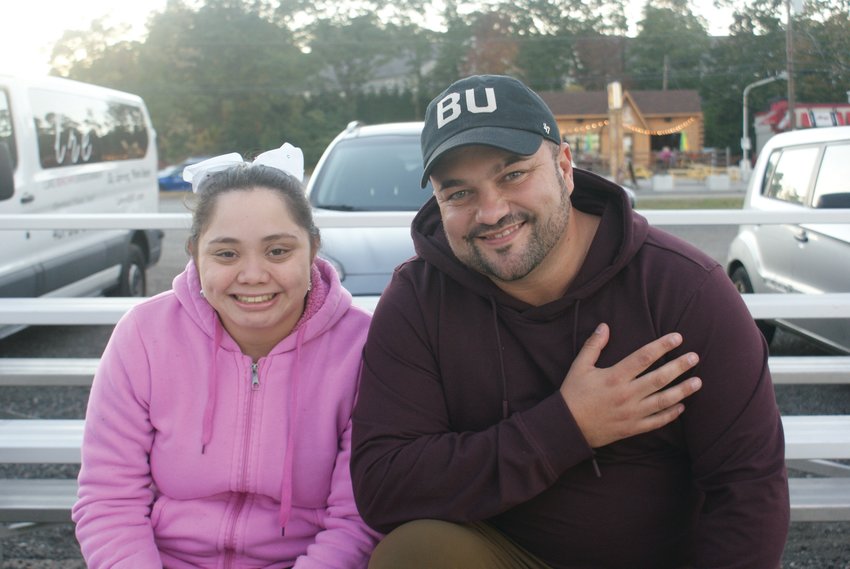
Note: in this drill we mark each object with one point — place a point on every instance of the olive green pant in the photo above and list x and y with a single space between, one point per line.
427 544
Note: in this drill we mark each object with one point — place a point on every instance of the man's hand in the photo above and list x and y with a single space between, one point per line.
613 403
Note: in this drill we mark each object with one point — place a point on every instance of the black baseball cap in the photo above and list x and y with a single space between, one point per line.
493 110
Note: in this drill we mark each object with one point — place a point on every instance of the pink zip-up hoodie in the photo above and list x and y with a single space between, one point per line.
193 456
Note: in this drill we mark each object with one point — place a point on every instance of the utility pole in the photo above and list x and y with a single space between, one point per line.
745 138
666 72
789 62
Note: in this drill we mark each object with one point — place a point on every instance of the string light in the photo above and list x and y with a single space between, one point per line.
587 127
663 132
636 129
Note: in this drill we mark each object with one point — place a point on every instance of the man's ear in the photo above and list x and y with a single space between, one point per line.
567 155
565 161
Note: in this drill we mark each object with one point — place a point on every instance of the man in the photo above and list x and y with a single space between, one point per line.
504 417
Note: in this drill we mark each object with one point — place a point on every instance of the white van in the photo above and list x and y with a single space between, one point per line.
68 147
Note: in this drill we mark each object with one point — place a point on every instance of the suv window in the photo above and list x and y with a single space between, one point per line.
379 173
791 174
834 175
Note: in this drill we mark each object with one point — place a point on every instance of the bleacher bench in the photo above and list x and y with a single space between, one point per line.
812 442
58 441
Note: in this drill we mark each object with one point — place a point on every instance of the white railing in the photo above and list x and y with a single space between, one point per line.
396 219
108 310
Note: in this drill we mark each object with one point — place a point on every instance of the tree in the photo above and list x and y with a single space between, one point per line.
549 34
97 54
756 49
822 52
347 54
671 48
247 75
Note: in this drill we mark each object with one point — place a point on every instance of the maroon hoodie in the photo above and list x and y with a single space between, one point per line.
460 418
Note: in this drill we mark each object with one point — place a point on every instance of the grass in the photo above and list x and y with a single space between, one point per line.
691 203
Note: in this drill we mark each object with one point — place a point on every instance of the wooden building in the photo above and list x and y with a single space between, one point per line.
656 124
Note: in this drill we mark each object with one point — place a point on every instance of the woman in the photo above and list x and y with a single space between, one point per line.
218 429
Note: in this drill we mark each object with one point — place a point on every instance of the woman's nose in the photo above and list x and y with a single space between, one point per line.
253 270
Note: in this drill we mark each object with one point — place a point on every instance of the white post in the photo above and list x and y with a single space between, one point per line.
745 138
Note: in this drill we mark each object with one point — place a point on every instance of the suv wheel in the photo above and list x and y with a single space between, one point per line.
741 280
133 280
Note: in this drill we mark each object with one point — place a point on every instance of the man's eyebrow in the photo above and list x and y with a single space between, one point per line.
508 161
449 184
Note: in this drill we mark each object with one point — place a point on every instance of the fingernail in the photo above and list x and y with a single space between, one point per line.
696 383
598 329
692 359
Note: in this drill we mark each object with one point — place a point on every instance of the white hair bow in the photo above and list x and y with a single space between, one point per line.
287 158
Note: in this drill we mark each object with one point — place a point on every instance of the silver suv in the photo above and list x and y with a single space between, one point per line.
369 168
798 170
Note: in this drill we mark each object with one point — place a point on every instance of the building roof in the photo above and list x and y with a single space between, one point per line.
576 102
679 102
583 103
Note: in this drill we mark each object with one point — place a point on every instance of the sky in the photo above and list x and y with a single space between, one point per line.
30 28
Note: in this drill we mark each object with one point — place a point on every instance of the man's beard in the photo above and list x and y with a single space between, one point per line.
544 236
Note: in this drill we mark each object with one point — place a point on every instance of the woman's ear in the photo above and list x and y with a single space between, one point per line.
315 242
190 249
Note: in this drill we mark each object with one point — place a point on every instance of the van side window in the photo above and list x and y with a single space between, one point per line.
7 133
74 129
793 174
834 175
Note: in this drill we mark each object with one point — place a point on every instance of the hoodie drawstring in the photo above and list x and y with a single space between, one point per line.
500 349
575 351
286 481
212 389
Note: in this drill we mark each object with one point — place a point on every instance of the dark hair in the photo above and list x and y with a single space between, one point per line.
244 177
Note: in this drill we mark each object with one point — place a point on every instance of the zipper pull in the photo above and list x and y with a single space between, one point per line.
255 377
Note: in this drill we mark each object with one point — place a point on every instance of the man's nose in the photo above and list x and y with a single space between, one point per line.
492 206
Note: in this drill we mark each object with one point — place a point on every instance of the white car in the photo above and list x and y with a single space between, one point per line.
798 170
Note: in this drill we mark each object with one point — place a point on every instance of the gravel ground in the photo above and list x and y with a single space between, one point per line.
810 545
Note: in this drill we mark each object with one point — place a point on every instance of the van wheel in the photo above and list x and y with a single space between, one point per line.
133 279
741 280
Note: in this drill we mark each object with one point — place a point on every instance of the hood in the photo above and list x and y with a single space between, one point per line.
367 256
621 233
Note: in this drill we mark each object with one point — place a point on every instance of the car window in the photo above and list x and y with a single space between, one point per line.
769 168
834 175
379 173
792 174
6 131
